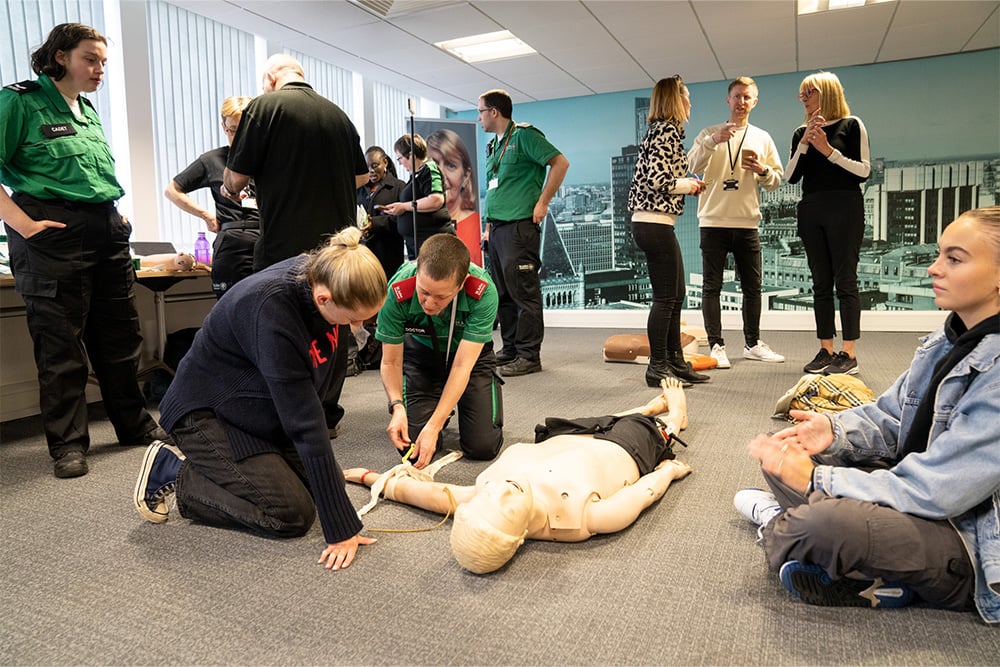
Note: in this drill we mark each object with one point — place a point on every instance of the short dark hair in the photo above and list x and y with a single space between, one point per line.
444 256
404 146
64 37
500 100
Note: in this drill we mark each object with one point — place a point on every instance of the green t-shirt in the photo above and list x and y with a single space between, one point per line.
401 314
517 161
47 152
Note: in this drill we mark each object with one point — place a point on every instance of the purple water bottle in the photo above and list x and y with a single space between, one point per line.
201 249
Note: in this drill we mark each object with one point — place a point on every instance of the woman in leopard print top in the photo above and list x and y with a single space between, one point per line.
656 199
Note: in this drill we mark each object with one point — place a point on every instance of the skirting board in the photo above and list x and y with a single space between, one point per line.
915 321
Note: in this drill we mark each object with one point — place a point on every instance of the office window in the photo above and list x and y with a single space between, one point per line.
195 63
391 114
334 83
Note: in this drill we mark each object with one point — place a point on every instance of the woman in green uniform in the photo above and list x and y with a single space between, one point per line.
69 247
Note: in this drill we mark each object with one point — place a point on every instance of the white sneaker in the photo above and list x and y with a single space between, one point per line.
762 352
719 354
757 505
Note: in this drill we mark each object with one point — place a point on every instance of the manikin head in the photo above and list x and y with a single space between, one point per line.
489 528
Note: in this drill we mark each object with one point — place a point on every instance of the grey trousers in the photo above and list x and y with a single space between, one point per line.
846 536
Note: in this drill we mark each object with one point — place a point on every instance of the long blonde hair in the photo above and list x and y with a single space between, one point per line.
349 270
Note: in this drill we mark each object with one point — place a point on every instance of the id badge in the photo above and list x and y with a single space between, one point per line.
493 184
249 202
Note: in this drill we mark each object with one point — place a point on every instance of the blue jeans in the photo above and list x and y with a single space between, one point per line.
266 494
716 244
666 278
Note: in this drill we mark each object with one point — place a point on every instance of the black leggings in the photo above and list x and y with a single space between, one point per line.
666 277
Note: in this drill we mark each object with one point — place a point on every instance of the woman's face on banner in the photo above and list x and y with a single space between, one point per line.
454 172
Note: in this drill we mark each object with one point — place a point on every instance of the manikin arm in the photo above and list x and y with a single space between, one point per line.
610 515
430 496
168 261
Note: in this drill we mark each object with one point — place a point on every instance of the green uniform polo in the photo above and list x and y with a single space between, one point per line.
49 153
518 164
473 317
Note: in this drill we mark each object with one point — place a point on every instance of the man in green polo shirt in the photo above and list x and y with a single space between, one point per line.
436 329
517 200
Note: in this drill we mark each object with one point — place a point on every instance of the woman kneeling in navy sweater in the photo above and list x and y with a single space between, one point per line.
253 449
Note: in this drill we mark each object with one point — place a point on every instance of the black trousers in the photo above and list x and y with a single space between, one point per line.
480 410
666 278
515 259
832 227
78 286
232 257
716 244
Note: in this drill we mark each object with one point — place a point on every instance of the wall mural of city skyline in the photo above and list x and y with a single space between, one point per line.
934 128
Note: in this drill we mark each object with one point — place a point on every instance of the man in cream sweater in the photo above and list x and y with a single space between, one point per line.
735 158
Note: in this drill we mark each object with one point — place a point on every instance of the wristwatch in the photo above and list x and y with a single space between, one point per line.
393 404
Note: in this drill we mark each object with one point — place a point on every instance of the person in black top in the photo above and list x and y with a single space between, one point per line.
432 215
305 157
830 156
236 225
383 187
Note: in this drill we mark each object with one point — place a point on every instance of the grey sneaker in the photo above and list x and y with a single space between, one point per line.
757 505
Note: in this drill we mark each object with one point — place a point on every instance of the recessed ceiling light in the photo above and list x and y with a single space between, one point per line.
814 6
488 46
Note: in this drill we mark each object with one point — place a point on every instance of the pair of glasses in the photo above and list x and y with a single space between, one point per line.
806 94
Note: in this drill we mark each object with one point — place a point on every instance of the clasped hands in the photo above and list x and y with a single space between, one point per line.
815 136
788 453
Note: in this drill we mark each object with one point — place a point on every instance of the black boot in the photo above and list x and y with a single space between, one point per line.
682 369
658 370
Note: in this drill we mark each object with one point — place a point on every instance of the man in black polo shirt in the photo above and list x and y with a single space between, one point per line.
305 157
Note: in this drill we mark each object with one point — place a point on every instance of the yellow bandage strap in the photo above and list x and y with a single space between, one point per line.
406 469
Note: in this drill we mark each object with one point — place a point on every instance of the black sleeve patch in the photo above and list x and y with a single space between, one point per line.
61 130
23 87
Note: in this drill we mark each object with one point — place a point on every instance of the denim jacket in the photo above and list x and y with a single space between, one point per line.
957 477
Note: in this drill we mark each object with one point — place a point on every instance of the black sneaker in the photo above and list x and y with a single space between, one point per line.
520 366
819 362
157 481
811 584
842 363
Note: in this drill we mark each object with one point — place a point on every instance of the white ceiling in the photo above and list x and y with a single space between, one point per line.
599 46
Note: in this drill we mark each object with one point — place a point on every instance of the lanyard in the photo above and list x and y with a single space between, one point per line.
510 133
732 160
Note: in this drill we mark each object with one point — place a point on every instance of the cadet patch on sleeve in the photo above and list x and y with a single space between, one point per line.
23 87
475 287
404 289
